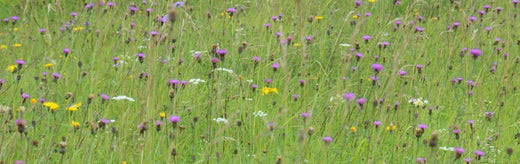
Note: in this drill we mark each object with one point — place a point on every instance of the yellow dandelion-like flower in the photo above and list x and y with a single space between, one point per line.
318 17
355 16
297 45
124 162
51 105
353 129
265 91
75 124
33 101
77 28
12 68
388 128
15 29
74 107
393 127
17 45
48 65
372 1
3 47
162 114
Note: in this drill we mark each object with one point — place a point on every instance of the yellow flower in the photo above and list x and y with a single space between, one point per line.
17 45
124 162
33 101
3 47
353 129
74 107
355 16
393 127
297 45
372 1
75 124
15 29
388 128
12 68
267 90
318 17
48 65
51 105
162 114
77 29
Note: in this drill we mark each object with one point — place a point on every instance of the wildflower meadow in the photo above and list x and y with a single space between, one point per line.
259 81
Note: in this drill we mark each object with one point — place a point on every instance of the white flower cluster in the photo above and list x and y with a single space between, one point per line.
123 97
259 114
219 120
196 81
419 102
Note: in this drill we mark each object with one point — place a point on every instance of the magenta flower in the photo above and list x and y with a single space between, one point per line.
422 126
349 96
175 119
475 53
327 139
377 123
276 66
361 101
377 67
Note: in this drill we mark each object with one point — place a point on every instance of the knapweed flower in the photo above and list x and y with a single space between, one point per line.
349 96
103 122
51 105
327 140
21 125
275 66
459 152
420 160
377 123
366 38
140 57
267 90
305 115
422 126
402 73
478 154
361 101
475 53
377 67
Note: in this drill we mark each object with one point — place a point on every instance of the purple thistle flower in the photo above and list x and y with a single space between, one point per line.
402 73
377 67
175 119
475 53
361 101
19 162
20 122
25 96
422 126
178 4
377 123
231 10
349 96
74 14
214 60
327 139
153 33
256 59
305 115
105 97
66 51
104 121
419 29
275 66
420 160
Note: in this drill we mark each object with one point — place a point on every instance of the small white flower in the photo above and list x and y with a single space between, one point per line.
447 148
219 120
112 120
345 45
249 99
250 81
259 114
123 97
225 70
196 81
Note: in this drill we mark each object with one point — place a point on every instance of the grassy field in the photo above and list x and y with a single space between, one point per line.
267 81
